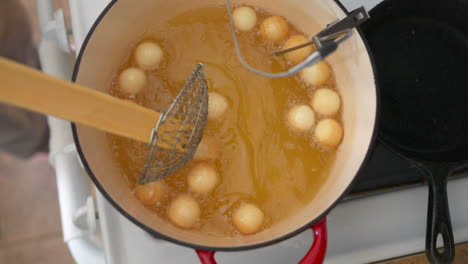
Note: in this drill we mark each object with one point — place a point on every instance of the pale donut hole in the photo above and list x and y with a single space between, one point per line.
301 117
316 74
148 55
274 28
184 211
202 178
298 55
217 106
326 102
132 80
248 219
151 193
245 18
206 150
329 132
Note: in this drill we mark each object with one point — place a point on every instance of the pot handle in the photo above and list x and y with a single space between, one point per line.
315 255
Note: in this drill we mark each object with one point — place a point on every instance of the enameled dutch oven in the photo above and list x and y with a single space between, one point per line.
104 49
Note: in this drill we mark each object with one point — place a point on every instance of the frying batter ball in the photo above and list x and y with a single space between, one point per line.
132 80
316 74
326 102
148 55
248 219
298 55
274 28
184 211
202 178
217 106
301 117
329 132
244 18
151 193
206 150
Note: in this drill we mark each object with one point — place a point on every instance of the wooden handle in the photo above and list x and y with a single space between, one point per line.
33 90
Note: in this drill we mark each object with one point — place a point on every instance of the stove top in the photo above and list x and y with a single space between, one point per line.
385 170
388 192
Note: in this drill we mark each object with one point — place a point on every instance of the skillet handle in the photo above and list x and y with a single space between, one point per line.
438 217
315 255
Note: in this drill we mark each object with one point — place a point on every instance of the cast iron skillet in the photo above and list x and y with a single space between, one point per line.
421 53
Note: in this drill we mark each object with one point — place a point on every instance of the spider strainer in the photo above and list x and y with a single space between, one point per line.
326 42
179 130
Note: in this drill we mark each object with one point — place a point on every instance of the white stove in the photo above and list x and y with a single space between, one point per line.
361 230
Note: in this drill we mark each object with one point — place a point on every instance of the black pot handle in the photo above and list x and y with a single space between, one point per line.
438 216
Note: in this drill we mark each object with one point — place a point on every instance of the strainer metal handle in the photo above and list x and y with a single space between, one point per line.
326 41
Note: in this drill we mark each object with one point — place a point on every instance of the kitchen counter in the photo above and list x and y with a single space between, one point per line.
461 257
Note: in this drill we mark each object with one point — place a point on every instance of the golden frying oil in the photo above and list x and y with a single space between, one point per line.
260 159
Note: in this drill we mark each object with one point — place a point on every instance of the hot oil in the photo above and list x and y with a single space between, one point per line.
260 158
